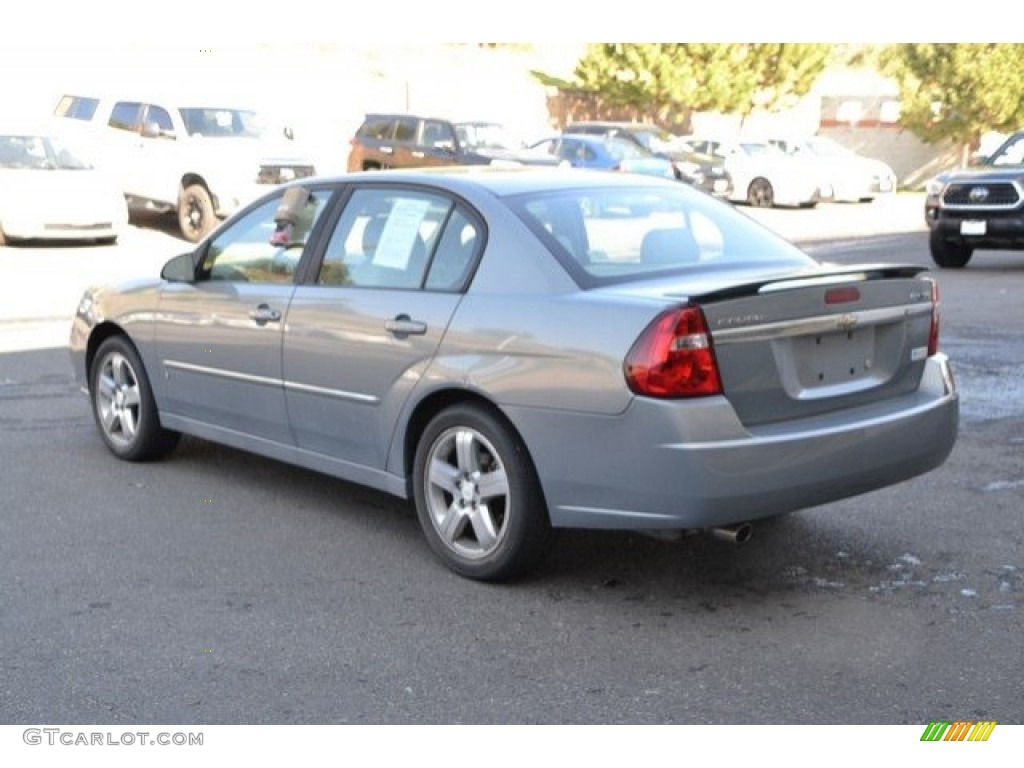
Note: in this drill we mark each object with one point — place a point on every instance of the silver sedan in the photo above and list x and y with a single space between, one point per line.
523 351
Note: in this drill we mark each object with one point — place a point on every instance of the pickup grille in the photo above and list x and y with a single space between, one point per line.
277 174
995 194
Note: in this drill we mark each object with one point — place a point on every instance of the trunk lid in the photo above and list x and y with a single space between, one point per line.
814 341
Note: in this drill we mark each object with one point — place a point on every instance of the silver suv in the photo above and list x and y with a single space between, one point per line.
202 159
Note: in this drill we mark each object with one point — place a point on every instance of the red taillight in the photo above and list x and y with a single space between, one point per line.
673 357
842 295
933 332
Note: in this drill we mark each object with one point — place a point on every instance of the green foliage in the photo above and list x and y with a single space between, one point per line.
958 91
672 79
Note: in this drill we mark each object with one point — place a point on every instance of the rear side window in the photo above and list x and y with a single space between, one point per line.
389 238
77 107
125 115
406 129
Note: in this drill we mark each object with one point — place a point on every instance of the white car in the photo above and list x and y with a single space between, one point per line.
48 191
853 178
762 174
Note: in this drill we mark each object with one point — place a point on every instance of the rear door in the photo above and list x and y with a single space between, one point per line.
398 153
361 333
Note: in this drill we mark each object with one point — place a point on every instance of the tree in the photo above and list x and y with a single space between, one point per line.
958 91
672 80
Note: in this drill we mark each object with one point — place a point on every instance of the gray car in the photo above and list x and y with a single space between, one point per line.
524 351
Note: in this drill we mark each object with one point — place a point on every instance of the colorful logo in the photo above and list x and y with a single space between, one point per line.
960 730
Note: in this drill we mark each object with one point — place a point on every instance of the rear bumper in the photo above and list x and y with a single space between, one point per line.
671 465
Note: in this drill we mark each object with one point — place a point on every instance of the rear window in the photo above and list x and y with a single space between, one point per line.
377 127
613 235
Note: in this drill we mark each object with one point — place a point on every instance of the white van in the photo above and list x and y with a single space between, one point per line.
204 160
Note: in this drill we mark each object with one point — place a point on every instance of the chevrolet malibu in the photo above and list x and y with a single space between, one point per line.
519 352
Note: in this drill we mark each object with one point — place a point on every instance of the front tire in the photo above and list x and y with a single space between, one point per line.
947 254
477 495
196 214
123 404
760 194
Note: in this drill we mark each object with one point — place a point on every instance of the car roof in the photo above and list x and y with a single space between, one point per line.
498 181
614 124
589 138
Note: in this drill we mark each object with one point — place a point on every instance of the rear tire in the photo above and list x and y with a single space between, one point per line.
123 404
477 495
760 193
196 215
949 254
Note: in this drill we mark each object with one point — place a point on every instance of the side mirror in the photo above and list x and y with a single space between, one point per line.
180 269
151 130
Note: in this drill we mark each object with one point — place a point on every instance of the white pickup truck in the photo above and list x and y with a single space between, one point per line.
204 160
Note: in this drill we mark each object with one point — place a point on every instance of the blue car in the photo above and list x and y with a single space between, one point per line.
605 154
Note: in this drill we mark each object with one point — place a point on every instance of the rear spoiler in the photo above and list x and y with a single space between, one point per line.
828 275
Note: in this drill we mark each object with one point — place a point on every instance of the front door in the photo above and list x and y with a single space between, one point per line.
219 338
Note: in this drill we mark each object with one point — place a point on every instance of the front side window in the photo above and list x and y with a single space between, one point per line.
405 130
438 134
251 250
221 122
159 117
607 235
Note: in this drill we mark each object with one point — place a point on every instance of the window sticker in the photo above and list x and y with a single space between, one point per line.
400 233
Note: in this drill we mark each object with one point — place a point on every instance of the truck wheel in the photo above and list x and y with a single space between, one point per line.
949 254
196 216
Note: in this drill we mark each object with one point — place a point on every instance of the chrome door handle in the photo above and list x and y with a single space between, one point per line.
403 326
264 314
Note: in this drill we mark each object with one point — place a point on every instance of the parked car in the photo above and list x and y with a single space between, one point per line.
200 157
980 207
853 178
519 351
48 191
703 171
385 141
762 174
603 154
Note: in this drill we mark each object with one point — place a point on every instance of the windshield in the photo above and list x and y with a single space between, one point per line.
827 148
216 122
612 235
39 153
620 149
656 139
761 150
484 136
1011 153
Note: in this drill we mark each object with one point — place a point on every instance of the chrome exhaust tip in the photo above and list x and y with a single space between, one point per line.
734 534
